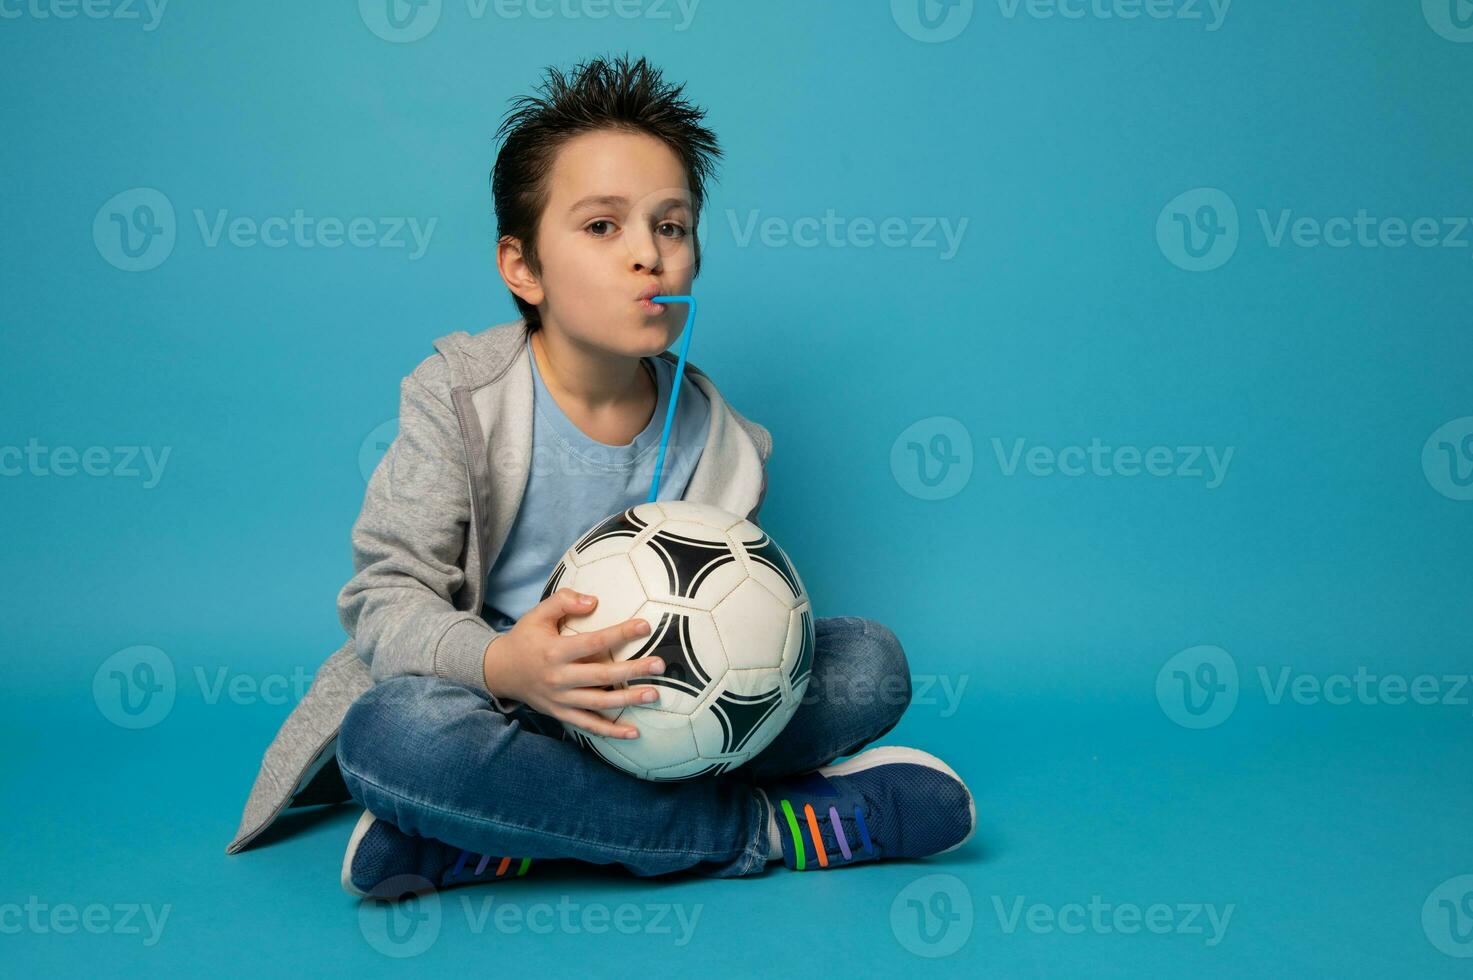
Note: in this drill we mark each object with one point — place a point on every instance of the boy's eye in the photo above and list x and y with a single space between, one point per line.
602 227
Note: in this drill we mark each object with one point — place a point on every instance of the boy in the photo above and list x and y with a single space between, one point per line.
456 751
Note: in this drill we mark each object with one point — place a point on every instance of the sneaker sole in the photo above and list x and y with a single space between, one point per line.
888 754
359 829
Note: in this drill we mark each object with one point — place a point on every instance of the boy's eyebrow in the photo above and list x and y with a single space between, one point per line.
618 201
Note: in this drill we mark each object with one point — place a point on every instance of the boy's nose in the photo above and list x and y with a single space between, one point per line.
644 251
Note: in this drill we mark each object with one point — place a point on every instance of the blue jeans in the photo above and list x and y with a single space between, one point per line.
437 760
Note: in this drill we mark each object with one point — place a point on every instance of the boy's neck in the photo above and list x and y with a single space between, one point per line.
610 397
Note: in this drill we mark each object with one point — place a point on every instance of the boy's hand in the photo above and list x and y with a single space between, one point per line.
533 663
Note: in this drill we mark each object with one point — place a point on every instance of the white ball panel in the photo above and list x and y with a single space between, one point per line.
617 587
708 515
753 625
663 737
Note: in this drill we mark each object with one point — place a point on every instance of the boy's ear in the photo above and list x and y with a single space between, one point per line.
516 272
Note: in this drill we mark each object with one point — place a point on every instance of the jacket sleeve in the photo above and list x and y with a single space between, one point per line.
408 544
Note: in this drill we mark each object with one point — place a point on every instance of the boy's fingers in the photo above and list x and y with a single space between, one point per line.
593 697
600 641
564 602
607 675
597 724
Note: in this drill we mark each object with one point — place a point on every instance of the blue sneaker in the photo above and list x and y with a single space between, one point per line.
886 802
384 862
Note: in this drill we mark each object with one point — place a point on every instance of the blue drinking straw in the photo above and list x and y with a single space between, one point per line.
690 319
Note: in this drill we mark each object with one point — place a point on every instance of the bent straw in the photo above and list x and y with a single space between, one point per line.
688 329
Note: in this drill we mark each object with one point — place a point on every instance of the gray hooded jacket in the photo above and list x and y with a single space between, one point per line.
435 515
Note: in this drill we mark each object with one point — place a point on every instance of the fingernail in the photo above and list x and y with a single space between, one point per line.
656 666
650 695
630 733
642 626
585 599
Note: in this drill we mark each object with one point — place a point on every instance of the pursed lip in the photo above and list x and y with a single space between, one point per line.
648 293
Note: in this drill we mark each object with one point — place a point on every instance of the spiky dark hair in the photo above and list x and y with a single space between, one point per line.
600 93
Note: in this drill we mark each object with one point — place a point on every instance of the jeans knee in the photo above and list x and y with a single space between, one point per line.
887 664
379 722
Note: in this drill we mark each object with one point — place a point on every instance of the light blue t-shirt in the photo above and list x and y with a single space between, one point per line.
574 482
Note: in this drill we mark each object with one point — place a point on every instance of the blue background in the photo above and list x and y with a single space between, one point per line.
1053 602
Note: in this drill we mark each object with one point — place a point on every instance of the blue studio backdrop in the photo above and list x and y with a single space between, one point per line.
1117 355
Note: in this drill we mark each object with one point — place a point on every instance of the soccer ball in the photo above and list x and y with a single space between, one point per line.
729 617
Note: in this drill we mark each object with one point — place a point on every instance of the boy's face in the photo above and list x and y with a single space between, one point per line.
617 223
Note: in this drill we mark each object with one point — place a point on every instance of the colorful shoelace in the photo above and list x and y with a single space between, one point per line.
811 819
501 868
